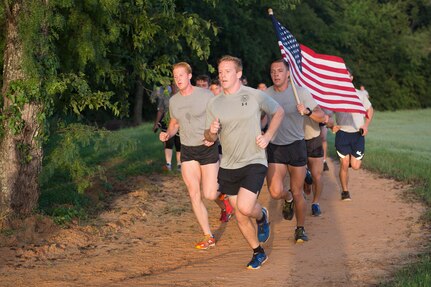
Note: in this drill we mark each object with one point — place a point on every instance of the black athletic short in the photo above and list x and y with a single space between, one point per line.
314 147
250 177
294 154
202 154
175 140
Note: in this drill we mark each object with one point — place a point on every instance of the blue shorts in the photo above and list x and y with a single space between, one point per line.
294 154
250 177
350 143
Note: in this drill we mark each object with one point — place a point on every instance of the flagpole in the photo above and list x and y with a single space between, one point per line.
294 90
295 93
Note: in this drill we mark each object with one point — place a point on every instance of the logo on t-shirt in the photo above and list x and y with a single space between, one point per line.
244 100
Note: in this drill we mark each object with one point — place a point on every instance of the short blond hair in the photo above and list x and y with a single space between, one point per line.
183 65
235 60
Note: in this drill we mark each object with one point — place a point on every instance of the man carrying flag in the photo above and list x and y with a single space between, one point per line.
287 151
325 76
330 84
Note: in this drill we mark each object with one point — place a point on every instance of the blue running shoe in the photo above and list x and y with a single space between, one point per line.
315 209
257 260
308 178
263 229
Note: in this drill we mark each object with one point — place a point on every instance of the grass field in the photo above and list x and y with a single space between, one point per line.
398 146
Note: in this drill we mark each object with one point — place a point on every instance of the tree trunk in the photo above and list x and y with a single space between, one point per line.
20 154
139 100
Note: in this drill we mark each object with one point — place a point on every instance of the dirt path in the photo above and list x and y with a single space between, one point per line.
146 239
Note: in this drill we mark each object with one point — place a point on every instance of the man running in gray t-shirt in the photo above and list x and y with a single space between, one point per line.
287 152
234 117
199 158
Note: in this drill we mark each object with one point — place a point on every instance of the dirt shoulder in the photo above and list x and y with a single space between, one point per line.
147 235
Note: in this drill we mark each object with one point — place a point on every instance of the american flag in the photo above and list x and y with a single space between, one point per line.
325 76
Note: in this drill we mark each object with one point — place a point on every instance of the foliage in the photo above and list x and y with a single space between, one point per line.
244 31
385 43
67 154
115 43
106 46
78 157
2 43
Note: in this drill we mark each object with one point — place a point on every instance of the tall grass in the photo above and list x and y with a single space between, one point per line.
399 146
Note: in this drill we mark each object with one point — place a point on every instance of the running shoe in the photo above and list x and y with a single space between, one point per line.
257 260
300 235
207 242
288 209
228 207
224 216
345 196
315 209
167 167
263 228
308 177
325 166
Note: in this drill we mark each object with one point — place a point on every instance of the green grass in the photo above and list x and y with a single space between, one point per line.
399 146
78 156
415 275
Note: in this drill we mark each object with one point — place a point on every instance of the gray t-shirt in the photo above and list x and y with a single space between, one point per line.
239 116
190 111
292 126
311 128
351 122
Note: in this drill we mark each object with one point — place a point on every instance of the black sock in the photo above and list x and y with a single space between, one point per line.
258 249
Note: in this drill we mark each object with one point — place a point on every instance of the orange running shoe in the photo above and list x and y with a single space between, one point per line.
207 242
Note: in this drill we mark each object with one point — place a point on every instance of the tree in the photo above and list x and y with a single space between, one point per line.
65 56
22 111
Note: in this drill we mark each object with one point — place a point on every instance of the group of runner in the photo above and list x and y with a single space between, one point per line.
290 142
